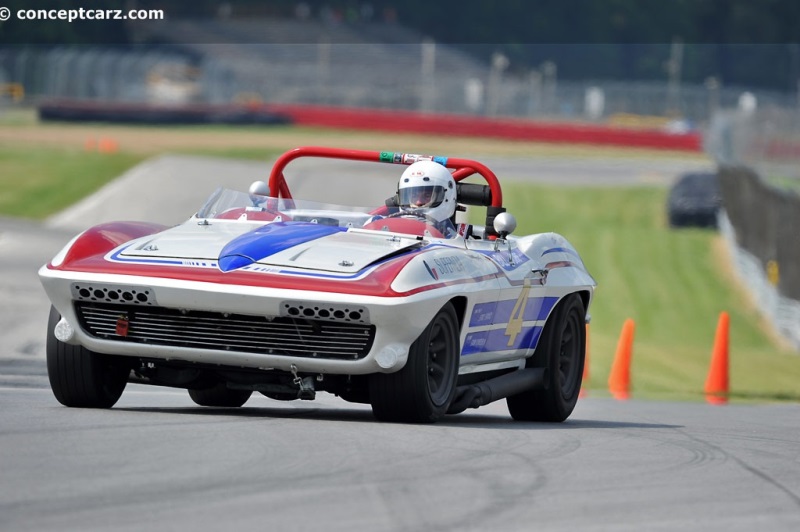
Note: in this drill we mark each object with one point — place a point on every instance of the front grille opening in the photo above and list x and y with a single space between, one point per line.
113 294
315 311
283 335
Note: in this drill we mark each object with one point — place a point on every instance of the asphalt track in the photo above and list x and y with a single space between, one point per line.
156 461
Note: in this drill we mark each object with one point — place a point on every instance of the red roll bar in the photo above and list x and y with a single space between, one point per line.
463 167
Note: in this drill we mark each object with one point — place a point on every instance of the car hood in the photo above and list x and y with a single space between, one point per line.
300 245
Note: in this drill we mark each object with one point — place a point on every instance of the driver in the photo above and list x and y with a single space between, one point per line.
427 189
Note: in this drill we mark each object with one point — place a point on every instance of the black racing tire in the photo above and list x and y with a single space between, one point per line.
562 350
220 395
421 392
81 378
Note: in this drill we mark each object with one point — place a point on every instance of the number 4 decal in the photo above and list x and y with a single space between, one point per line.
515 322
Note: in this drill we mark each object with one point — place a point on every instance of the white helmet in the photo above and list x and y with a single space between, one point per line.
428 186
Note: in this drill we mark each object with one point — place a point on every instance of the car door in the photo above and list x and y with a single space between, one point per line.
508 327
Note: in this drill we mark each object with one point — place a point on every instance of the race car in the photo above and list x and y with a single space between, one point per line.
259 291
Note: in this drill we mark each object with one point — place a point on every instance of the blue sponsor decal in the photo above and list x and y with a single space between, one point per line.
270 239
494 313
449 265
440 160
537 308
483 314
498 340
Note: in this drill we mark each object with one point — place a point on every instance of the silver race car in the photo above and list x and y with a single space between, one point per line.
416 315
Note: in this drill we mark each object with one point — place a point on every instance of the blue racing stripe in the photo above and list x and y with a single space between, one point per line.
270 239
119 258
560 250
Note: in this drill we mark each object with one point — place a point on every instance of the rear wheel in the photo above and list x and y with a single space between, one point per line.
82 378
220 395
421 392
561 350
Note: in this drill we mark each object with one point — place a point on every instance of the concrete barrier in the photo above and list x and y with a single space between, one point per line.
370 119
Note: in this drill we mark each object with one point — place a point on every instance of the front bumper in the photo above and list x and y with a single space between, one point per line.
239 326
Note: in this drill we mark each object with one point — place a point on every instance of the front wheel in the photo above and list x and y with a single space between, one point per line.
421 392
82 378
561 349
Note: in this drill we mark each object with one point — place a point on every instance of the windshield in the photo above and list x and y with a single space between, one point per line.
227 204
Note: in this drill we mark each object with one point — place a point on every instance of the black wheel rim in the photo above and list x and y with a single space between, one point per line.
569 356
440 367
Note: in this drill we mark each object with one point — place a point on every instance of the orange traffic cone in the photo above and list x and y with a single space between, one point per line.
717 381
107 145
619 382
585 378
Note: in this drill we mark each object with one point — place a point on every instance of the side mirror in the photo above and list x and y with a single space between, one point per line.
504 224
259 192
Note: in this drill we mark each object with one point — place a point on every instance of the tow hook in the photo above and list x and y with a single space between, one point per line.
305 385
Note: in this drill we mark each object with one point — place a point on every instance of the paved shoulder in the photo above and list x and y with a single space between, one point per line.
166 189
24 247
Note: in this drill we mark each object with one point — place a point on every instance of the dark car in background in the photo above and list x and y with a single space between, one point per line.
694 200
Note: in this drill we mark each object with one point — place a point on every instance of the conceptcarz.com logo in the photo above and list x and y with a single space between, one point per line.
70 15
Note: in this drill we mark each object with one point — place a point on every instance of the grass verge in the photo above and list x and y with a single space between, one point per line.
672 283
36 182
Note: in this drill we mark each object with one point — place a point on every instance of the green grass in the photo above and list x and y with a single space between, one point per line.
254 154
36 182
672 283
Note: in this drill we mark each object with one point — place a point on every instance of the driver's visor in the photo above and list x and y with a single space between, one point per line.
421 197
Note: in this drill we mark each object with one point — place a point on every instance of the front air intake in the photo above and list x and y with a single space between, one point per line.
111 293
287 336
328 312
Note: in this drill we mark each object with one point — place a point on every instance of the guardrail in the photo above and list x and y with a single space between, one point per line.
761 224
